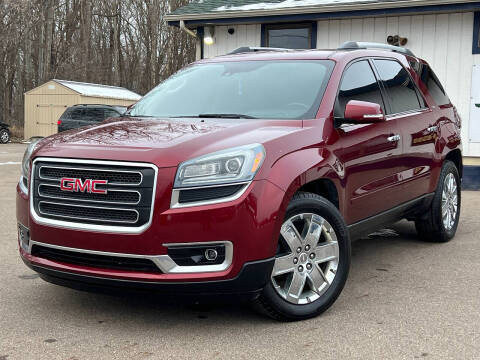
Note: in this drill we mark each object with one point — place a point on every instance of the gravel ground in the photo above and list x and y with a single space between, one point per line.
405 299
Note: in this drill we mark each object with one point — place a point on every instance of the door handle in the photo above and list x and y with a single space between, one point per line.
432 129
394 138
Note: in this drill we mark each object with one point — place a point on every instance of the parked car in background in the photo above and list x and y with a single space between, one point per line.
83 115
4 133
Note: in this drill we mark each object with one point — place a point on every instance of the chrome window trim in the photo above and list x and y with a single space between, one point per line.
175 204
93 201
164 262
94 227
90 169
88 207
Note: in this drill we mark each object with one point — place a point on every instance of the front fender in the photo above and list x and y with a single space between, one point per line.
294 170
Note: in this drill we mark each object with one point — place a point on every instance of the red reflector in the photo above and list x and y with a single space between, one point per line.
59 122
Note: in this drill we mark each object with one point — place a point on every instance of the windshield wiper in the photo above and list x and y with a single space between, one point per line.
227 116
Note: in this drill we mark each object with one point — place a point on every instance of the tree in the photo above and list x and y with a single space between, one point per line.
115 42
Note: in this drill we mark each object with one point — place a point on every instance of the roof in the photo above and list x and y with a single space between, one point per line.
215 9
97 90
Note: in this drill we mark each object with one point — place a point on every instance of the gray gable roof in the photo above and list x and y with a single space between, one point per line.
212 9
209 6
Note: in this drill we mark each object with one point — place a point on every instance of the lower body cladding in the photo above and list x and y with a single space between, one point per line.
225 248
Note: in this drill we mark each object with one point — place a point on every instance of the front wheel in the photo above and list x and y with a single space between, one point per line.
440 222
312 261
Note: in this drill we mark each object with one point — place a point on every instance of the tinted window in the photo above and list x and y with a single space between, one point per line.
434 86
280 89
94 114
289 37
358 83
401 90
77 114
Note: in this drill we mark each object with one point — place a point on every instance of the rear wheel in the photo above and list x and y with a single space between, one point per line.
440 222
4 136
312 261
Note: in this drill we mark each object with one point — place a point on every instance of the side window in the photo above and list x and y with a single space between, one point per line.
94 114
358 83
434 86
77 114
399 86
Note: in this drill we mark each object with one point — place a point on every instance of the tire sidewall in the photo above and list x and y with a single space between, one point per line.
448 168
4 131
328 211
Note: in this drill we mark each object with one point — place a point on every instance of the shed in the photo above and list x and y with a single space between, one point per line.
46 103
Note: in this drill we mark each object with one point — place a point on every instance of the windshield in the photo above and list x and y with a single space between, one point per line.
248 89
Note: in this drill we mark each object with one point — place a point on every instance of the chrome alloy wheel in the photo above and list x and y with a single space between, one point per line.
3 136
449 201
307 259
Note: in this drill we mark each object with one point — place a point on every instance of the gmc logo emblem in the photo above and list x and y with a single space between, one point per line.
77 185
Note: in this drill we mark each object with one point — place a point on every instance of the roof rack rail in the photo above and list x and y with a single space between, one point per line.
371 45
247 49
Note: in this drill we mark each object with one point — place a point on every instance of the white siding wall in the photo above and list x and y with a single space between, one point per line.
444 40
245 35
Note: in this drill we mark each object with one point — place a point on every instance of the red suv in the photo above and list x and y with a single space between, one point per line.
247 174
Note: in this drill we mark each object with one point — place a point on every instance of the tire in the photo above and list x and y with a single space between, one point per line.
330 258
4 136
433 226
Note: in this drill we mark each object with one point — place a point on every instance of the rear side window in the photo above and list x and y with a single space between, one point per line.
358 83
94 114
399 86
434 86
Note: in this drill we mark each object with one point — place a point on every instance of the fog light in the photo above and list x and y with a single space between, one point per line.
211 254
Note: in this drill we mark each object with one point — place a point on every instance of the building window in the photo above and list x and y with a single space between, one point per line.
476 34
290 36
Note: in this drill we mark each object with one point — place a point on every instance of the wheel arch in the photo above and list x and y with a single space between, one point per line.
455 156
308 170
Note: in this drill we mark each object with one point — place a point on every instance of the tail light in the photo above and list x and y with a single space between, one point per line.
59 122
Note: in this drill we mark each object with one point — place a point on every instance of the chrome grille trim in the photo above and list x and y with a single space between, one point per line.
93 201
88 207
117 229
164 262
90 169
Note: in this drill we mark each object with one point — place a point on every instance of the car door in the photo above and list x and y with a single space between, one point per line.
368 155
416 123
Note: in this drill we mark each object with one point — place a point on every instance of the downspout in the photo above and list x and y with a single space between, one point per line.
198 36
187 30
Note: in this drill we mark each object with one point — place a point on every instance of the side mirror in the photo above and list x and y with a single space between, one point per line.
362 112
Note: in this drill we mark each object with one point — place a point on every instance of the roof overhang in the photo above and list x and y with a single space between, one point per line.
322 11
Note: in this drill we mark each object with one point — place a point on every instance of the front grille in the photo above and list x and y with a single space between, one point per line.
113 177
126 203
94 260
119 196
87 212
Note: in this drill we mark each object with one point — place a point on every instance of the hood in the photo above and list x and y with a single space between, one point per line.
164 142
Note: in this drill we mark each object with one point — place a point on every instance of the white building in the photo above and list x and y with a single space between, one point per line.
445 33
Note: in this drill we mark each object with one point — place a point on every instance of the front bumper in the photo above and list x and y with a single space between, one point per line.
251 224
251 280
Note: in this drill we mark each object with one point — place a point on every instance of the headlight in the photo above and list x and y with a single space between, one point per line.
26 165
233 165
